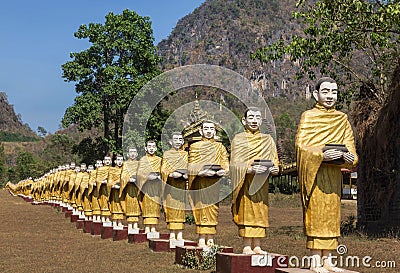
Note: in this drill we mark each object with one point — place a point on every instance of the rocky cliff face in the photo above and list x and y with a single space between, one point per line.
11 124
226 32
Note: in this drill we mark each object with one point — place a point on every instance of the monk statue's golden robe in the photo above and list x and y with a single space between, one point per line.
174 189
71 190
43 191
51 186
77 189
321 182
129 192
84 194
27 187
204 199
35 191
10 187
61 179
93 194
151 190
250 209
102 175
40 190
114 178
17 188
46 189
67 176
56 187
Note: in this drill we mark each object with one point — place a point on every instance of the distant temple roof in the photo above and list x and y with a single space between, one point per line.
196 118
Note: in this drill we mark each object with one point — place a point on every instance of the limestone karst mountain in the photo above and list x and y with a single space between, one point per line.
226 32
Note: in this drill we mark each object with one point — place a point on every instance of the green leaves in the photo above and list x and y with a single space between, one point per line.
347 37
120 60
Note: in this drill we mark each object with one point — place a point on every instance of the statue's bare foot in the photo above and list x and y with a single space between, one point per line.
202 242
258 250
319 269
248 250
210 242
332 268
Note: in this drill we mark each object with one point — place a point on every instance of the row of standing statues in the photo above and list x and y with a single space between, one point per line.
139 188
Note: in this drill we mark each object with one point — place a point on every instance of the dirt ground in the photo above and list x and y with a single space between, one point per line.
40 239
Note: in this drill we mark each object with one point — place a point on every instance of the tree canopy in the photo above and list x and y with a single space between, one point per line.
354 41
121 59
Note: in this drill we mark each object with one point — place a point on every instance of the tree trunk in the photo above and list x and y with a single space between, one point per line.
378 130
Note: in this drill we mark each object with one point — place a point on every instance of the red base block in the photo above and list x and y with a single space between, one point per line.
64 209
74 218
79 224
119 235
159 245
96 228
299 270
106 232
134 238
142 237
181 250
68 213
238 263
163 245
87 226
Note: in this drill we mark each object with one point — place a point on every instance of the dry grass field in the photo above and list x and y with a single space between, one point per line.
41 239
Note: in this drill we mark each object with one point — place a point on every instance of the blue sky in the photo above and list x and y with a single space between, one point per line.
37 38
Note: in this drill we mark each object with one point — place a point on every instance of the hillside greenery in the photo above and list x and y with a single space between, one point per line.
16 137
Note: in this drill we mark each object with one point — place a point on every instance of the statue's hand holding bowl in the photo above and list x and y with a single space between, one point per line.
175 175
221 172
258 169
250 169
348 157
202 173
332 154
185 176
210 173
152 176
274 170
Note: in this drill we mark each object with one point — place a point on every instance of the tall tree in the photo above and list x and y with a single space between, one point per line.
121 59
355 41
28 166
41 131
